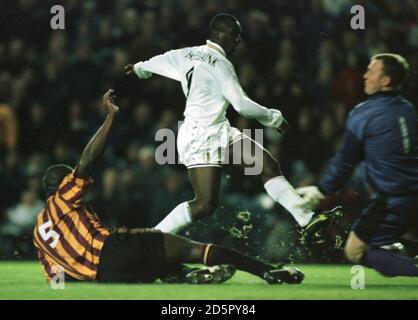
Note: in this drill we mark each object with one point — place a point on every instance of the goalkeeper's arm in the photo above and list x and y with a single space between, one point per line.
338 172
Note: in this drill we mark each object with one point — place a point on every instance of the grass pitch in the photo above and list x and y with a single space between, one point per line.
24 280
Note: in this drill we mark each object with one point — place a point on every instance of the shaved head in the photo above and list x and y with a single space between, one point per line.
53 177
225 23
225 30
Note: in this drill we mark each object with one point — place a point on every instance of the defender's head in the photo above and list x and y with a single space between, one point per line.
53 176
225 30
386 72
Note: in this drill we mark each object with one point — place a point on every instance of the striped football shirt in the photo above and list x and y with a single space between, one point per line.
68 233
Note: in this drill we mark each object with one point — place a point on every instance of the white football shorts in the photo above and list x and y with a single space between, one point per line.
199 145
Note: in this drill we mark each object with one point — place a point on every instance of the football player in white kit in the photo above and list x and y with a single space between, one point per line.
210 84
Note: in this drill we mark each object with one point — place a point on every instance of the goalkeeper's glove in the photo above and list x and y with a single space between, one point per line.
311 197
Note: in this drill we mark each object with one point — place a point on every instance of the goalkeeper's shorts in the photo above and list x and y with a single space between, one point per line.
387 219
201 145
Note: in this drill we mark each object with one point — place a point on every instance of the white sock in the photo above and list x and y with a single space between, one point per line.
282 192
178 218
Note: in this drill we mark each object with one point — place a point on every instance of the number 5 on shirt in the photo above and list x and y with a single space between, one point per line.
46 235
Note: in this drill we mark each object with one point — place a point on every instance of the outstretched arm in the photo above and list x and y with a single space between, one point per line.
166 65
343 164
248 108
337 174
97 144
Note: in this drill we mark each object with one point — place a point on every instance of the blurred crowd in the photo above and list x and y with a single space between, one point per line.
299 56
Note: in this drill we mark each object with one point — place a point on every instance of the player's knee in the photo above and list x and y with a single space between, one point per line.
271 167
352 254
204 209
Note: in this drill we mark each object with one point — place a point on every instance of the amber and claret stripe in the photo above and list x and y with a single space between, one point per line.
68 233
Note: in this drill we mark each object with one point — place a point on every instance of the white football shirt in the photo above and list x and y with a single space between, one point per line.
209 82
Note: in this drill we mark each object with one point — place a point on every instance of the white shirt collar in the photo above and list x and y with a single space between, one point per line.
215 46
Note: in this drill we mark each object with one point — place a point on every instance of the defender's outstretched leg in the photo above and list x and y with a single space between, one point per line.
182 250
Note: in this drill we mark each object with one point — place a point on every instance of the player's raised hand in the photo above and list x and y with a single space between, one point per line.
284 127
129 69
109 104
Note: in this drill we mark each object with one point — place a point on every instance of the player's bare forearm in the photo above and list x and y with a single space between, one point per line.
97 144
95 148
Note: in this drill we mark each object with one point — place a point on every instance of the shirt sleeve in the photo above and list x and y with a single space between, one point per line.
246 107
343 164
72 190
166 65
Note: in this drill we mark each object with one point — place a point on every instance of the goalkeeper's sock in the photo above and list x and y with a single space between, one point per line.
389 263
215 255
176 219
283 192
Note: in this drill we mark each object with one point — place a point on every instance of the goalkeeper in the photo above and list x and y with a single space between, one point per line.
380 136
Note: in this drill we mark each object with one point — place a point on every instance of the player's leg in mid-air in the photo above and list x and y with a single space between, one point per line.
182 250
205 182
198 148
205 177
276 185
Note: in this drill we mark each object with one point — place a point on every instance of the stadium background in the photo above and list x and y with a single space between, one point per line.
298 56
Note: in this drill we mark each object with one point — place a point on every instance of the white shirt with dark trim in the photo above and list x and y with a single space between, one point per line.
209 82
